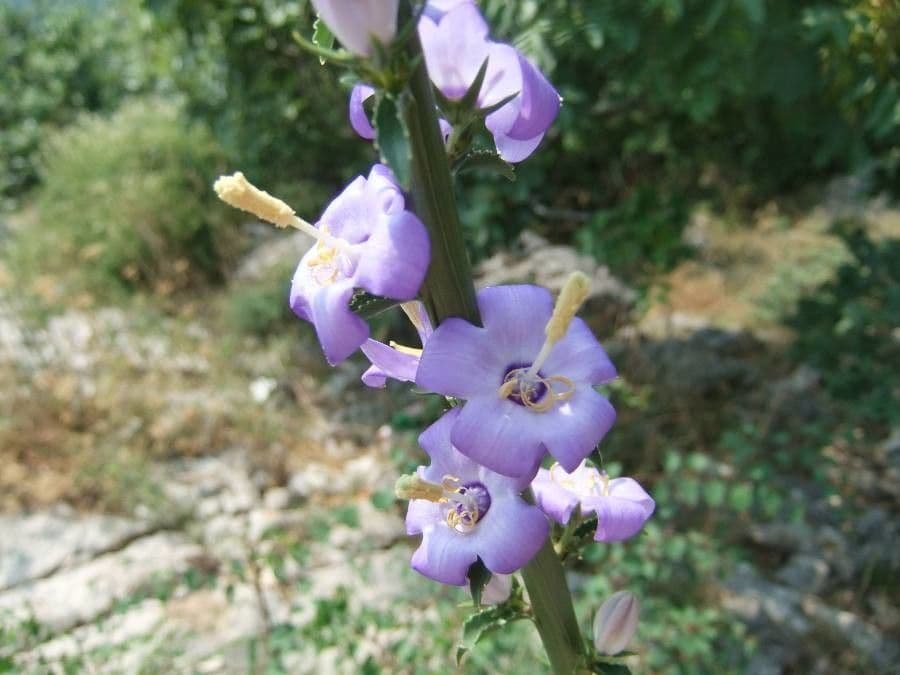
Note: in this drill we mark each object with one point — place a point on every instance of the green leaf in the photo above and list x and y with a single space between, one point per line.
487 160
479 576
470 98
609 668
480 624
392 139
366 305
322 37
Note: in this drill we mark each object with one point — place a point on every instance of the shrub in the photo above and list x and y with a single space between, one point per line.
127 202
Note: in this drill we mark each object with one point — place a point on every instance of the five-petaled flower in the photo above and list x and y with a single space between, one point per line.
464 512
527 378
621 504
373 243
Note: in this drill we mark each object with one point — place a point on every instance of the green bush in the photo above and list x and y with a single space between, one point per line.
59 59
127 202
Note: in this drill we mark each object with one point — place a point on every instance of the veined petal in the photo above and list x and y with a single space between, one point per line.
393 261
421 515
539 103
445 459
499 435
339 330
444 555
580 357
356 23
622 514
554 500
515 317
513 150
455 46
359 120
460 360
510 535
349 215
572 428
387 362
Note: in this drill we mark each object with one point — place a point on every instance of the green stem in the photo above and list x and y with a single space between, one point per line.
449 291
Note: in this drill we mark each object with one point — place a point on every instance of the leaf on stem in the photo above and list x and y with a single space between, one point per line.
322 37
479 576
480 624
487 160
392 139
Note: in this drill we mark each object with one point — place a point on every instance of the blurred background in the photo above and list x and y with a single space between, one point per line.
186 487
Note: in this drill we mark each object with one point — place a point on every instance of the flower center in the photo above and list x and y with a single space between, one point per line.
466 503
534 390
584 481
328 263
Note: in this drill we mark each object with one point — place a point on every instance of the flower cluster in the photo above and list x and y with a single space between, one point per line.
520 384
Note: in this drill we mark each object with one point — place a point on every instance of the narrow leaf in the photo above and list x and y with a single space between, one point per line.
392 139
470 98
366 305
479 576
487 160
480 624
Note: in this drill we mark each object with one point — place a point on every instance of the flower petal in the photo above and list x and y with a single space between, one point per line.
553 498
421 515
444 555
388 362
355 24
573 428
513 150
359 120
500 435
580 357
623 513
454 48
339 330
459 360
510 535
515 317
393 261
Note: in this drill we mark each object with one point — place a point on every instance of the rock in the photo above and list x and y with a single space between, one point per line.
35 545
277 498
805 573
80 594
536 261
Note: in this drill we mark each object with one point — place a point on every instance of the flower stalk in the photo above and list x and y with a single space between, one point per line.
449 291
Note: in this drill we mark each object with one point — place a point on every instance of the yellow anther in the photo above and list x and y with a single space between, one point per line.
237 191
571 298
415 487
523 385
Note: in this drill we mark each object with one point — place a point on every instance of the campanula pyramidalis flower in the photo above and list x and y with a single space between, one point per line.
456 44
356 23
621 504
527 378
374 243
464 512
394 361
359 119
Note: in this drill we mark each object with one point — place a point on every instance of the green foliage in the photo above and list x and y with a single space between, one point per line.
847 328
61 58
127 203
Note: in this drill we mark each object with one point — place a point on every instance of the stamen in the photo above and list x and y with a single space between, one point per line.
413 311
403 349
467 504
518 384
570 300
415 487
237 191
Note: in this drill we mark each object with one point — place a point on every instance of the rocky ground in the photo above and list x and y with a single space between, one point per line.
212 557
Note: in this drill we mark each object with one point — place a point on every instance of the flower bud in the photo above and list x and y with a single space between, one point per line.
497 589
357 22
616 622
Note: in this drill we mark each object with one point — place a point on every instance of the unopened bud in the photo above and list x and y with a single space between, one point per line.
357 22
616 622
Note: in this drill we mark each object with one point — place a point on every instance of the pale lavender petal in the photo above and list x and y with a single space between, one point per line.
356 23
580 357
446 128
515 317
512 150
393 261
383 193
349 215
500 435
422 515
539 103
445 459
388 362
445 556
454 48
572 429
510 535
553 498
502 79
456 358
339 330
623 513
359 120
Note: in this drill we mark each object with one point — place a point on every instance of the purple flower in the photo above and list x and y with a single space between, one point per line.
524 394
356 23
370 241
621 504
464 512
359 119
396 361
456 44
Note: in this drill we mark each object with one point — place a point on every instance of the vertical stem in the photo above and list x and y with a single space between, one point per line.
448 291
